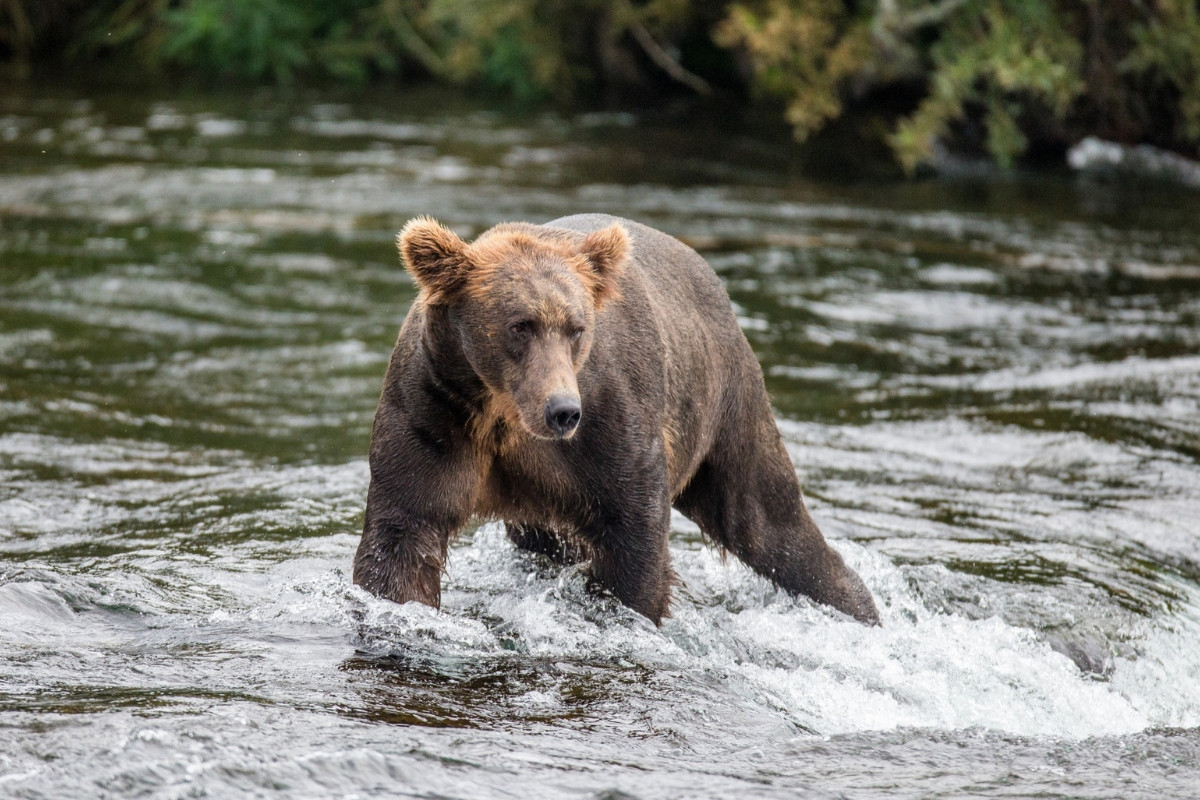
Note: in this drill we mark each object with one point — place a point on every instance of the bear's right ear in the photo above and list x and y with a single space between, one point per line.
435 257
607 251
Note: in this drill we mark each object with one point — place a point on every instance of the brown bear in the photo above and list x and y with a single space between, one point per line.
576 380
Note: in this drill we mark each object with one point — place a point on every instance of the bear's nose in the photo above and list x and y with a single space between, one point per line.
563 414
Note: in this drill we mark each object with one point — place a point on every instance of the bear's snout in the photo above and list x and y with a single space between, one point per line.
563 413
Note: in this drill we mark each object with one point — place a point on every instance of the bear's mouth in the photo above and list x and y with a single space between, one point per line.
553 423
543 431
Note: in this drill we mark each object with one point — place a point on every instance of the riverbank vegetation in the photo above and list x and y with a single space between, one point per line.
1002 78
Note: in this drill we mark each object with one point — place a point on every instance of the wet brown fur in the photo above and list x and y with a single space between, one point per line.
636 327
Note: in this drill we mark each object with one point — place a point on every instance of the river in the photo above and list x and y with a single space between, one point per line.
989 385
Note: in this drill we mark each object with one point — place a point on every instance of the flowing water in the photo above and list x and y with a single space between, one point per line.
990 388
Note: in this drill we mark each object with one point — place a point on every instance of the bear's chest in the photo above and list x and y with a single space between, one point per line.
531 485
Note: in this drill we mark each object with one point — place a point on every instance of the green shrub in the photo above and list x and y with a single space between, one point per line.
803 52
515 45
1167 47
261 39
1061 68
999 56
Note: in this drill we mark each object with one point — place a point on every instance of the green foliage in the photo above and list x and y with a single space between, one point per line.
998 55
802 52
532 49
515 45
250 40
1168 48
135 23
993 57
1021 68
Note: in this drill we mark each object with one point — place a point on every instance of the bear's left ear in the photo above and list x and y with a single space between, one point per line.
607 252
435 257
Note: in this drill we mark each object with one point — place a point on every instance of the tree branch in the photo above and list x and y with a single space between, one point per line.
892 24
666 63
417 47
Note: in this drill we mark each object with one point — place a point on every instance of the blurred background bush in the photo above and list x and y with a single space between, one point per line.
1005 79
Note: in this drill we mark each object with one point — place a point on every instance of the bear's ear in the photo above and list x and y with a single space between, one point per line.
435 257
607 252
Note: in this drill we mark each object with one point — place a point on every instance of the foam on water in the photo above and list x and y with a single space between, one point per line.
786 658
928 666
814 667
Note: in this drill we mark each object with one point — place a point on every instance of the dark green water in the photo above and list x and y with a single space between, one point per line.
990 388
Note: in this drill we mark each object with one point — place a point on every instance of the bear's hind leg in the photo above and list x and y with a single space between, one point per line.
558 548
746 498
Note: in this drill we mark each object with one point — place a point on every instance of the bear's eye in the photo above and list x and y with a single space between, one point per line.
522 328
575 334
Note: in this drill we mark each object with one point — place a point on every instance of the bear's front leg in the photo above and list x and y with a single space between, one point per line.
630 557
423 486
401 559
558 548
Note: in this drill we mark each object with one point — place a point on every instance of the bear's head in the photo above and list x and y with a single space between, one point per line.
523 300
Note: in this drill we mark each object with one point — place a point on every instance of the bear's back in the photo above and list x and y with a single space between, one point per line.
678 282
700 354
